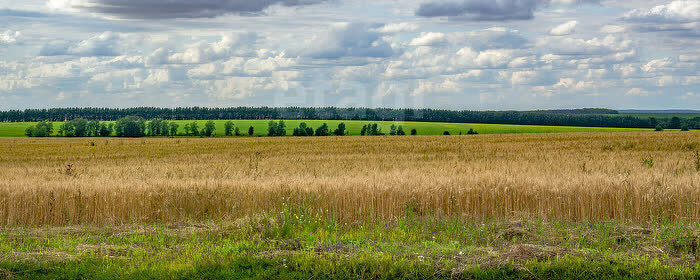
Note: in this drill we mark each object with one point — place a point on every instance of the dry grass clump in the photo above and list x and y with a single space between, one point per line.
576 176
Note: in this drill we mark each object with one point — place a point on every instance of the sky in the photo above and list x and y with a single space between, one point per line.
461 54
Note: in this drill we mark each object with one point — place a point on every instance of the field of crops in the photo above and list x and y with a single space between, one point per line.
423 128
588 205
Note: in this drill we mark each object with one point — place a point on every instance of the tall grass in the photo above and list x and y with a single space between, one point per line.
589 176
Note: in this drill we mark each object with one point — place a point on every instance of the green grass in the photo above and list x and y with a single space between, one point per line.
296 246
662 115
354 127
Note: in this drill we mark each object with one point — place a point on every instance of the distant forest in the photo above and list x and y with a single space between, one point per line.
576 117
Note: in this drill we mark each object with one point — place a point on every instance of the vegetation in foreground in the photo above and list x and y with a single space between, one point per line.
295 244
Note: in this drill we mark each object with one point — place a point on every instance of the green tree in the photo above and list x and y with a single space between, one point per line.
659 128
684 127
209 128
400 131
675 123
228 128
130 126
41 129
251 130
392 129
105 130
414 132
80 127
281 128
272 128
93 128
363 131
340 131
164 128
472 131
237 131
173 128
303 130
322 130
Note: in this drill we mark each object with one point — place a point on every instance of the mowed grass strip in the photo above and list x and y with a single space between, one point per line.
354 127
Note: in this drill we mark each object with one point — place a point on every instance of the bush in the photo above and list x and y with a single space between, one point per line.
414 132
472 131
446 133
684 127
659 128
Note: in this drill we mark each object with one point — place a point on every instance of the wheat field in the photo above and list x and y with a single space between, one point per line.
636 176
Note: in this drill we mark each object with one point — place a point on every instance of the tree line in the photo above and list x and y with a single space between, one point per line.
577 117
133 126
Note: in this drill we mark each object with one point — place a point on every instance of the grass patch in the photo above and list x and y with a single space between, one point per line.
404 249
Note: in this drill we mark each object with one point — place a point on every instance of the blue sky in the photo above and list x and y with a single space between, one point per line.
463 54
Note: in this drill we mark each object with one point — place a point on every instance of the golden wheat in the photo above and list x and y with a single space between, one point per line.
576 176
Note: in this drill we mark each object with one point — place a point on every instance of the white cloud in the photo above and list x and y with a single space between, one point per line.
610 28
637 92
9 37
397 27
105 44
676 11
564 28
429 39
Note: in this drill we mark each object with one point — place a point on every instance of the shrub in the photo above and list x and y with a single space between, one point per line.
446 133
659 128
414 132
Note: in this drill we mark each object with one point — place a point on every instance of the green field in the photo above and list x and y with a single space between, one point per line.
354 127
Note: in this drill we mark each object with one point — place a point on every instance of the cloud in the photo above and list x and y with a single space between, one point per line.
105 44
239 44
348 40
612 29
564 28
595 46
429 39
482 10
397 28
490 38
159 9
637 92
9 37
490 10
679 11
